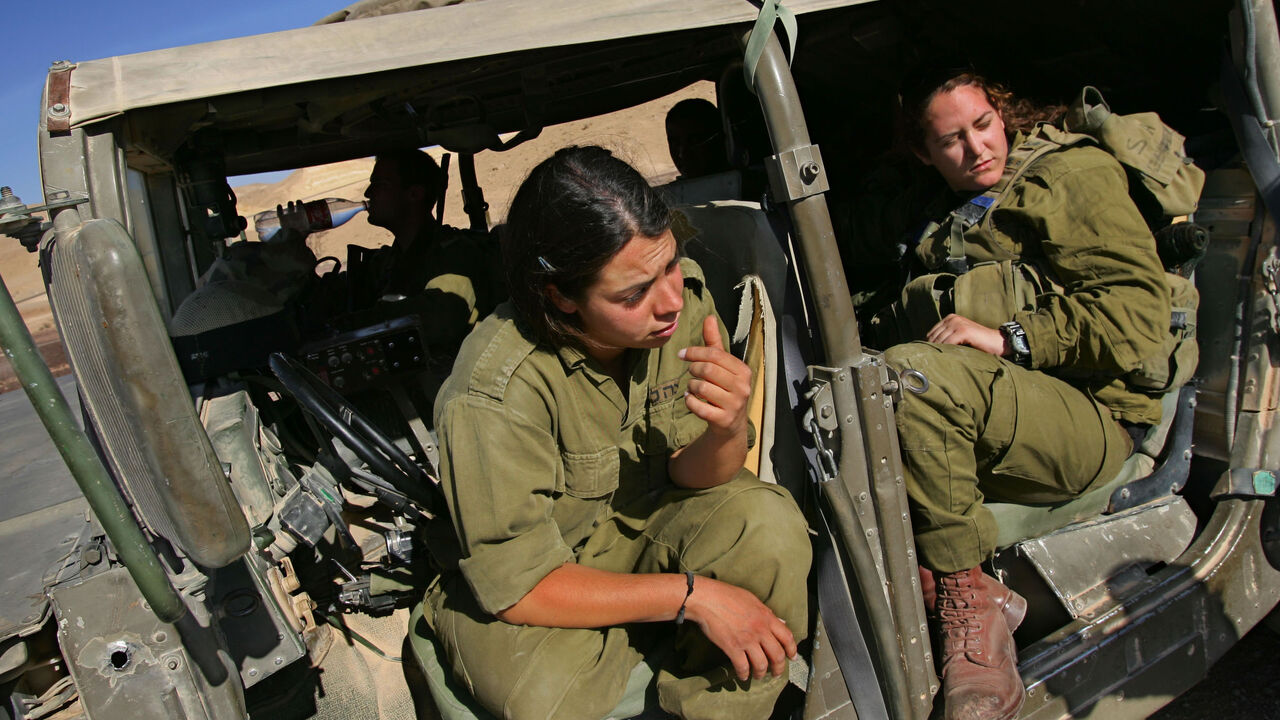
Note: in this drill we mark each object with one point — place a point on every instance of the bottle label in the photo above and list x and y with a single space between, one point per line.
318 217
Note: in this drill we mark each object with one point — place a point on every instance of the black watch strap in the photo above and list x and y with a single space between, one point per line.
1014 333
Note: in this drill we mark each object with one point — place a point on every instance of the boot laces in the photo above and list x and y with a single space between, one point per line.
959 614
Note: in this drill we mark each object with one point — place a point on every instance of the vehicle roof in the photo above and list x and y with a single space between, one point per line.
248 81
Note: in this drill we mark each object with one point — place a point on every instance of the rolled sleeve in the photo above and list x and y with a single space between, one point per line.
499 472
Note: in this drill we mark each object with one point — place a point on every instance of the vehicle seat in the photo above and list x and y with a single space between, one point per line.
745 267
1018 522
725 185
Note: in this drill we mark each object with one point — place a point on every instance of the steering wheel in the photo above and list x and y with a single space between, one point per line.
404 481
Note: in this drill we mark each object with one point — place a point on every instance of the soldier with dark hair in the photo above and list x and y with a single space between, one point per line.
592 436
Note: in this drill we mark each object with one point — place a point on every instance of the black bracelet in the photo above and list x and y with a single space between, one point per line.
680 615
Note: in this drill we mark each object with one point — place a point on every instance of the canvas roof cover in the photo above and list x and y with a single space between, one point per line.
111 86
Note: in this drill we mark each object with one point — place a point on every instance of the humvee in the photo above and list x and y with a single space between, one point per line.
233 526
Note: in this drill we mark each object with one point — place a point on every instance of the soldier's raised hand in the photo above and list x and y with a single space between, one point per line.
720 390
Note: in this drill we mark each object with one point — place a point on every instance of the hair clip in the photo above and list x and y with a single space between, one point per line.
546 265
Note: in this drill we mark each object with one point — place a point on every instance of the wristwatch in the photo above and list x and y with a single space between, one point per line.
1017 338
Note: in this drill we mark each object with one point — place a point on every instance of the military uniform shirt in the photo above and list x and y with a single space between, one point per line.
539 445
1070 214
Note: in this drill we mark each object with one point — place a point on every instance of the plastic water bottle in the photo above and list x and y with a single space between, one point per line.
321 215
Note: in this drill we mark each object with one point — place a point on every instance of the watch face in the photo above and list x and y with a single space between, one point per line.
1017 338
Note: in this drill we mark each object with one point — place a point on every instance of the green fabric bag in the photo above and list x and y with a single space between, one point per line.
1168 184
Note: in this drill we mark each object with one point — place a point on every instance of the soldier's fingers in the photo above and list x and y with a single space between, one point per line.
713 415
711 333
716 374
741 665
715 356
715 395
776 654
785 638
760 663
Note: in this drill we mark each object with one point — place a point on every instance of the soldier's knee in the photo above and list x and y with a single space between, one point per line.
912 356
762 520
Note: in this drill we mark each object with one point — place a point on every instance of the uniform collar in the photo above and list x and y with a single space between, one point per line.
572 356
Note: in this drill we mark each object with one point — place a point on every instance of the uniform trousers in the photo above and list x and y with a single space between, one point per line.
745 532
988 428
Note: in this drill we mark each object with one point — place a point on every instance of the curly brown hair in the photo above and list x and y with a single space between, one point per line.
1019 114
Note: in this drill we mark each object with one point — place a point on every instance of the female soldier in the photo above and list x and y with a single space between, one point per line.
995 419
592 437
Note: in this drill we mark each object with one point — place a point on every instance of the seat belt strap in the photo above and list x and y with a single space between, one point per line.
473 203
770 12
848 642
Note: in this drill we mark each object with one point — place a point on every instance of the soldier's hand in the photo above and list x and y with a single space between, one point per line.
293 218
958 330
720 390
754 639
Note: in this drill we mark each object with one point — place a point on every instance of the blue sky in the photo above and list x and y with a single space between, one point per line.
39 33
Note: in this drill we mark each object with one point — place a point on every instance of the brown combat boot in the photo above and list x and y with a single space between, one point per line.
980 678
1012 605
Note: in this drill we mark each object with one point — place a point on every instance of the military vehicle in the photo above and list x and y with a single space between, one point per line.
223 555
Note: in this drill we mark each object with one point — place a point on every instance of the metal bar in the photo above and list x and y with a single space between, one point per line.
830 292
834 310
85 466
890 491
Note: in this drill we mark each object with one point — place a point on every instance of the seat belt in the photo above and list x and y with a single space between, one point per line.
848 642
473 203
1259 158
444 185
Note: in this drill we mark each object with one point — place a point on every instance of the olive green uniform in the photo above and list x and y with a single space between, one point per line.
546 461
986 427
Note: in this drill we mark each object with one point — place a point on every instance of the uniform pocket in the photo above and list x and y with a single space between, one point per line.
1042 463
590 475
